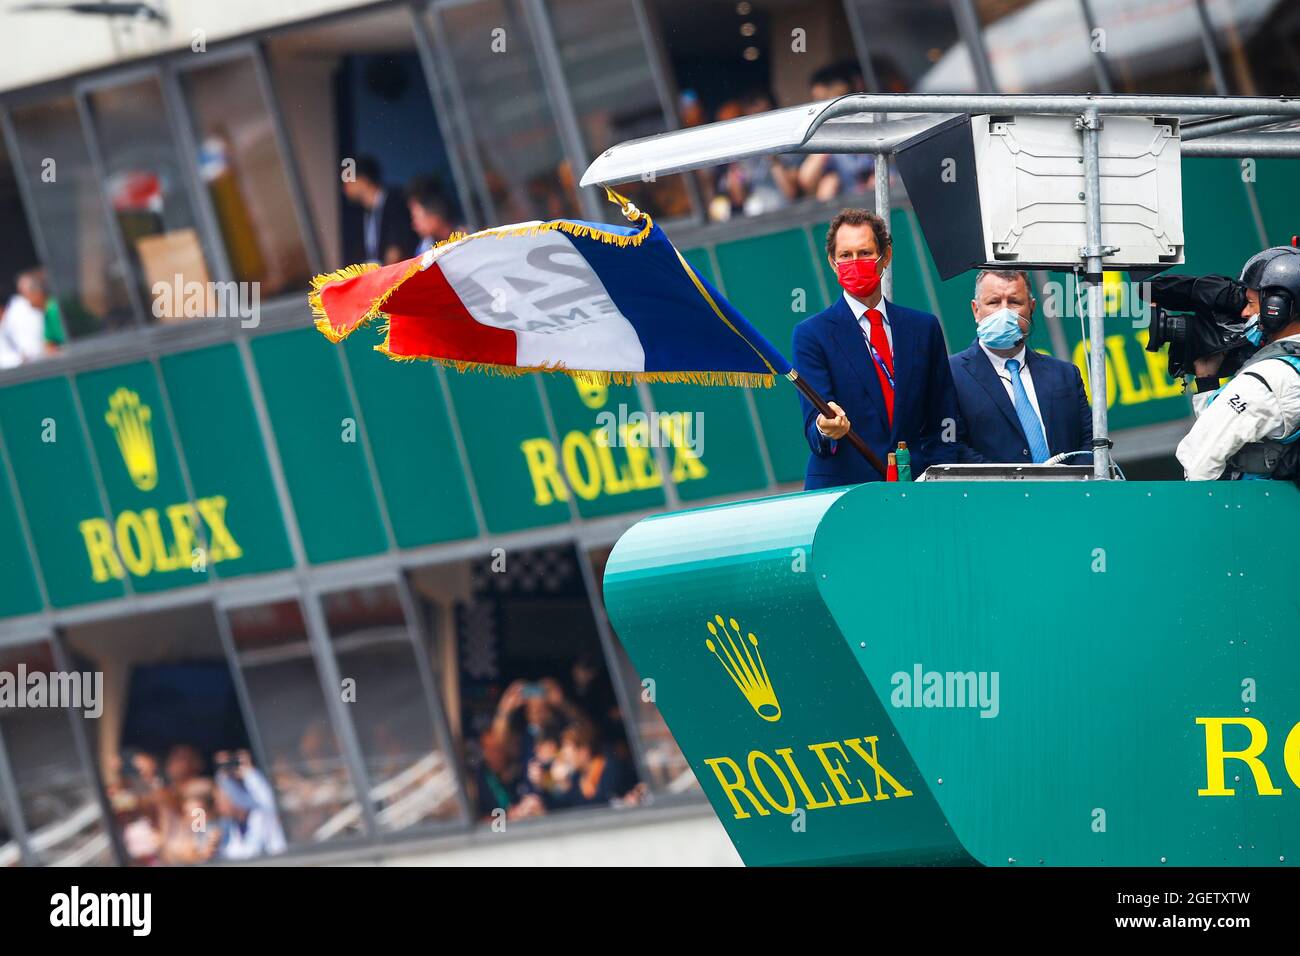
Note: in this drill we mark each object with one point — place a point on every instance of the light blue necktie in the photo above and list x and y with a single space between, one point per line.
1025 412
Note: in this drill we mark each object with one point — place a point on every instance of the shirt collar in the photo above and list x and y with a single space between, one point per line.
1000 363
860 308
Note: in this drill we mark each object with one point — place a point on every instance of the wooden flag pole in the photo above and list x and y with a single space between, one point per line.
820 404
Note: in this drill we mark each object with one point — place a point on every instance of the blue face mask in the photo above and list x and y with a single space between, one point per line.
1254 334
1001 330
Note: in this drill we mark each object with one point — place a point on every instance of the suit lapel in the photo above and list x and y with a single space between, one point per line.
850 340
981 369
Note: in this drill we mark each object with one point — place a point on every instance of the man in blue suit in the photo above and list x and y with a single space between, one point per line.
1016 405
881 367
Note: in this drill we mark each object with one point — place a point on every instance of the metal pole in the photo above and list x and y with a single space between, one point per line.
557 90
1089 125
807 128
1100 68
609 648
1233 124
1235 145
883 210
972 33
10 801
1211 52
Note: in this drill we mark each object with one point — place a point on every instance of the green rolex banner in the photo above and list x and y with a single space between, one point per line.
885 675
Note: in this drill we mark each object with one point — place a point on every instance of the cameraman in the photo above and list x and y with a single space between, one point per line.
1250 428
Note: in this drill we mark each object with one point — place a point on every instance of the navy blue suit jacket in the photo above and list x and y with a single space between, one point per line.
988 429
830 353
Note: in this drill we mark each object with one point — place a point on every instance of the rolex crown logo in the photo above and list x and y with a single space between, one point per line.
593 392
745 668
130 421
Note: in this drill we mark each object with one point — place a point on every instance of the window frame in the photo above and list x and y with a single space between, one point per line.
252 53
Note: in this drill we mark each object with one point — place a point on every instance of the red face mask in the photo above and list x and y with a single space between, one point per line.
859 277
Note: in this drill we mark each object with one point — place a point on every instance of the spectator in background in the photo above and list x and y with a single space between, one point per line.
691 109
544 753
497 776
185 817
758 184
593 775
827 175
183 765
431 215
136 790
56 335
191 834
247 824
22 326
594 695
385 236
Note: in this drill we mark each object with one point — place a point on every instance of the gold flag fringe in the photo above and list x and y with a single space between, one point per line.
591 376
320 282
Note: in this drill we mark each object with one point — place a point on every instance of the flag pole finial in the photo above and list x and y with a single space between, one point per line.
630 211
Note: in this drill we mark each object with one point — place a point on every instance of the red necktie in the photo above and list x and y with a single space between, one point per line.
880 342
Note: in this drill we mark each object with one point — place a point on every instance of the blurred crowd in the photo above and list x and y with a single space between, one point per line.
173 813
396 224
551 749
761 184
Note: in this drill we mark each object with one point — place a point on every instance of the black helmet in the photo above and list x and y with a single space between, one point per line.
1275 274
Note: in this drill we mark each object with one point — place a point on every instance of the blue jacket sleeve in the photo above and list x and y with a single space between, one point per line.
1085 421
810 362
1085 411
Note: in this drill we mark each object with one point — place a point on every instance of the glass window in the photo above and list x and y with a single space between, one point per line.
729 59
914 46
241 165
608 74
538 718
1261 44
494 67
665 763
316 796
1036 47
87 277
30 324
366 137
412 779
172 743
10 854
146 186
1153 46
65 826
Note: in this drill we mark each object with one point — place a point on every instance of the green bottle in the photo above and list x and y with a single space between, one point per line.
904 459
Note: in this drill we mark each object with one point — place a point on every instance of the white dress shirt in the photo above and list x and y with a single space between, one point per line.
1000 367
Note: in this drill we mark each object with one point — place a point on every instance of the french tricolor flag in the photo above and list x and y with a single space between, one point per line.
613 303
